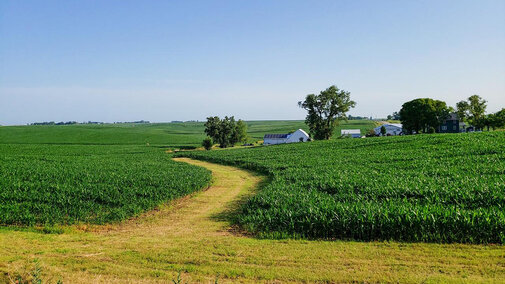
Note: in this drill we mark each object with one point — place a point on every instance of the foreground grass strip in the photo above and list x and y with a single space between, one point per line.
193 236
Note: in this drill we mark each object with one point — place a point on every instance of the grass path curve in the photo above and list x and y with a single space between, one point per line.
193 235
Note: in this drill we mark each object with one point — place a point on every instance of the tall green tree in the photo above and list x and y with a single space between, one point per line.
420 115
473 110
240 133
212 127
477 109
462 108
324 111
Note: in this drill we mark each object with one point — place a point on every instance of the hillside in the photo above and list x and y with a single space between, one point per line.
160 134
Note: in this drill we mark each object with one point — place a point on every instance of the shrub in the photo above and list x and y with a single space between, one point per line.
207 143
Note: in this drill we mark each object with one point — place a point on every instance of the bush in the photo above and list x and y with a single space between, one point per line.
207 143
431 130
383 130
370 133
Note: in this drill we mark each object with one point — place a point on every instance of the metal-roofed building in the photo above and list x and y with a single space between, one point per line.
392 129
354 133
297 136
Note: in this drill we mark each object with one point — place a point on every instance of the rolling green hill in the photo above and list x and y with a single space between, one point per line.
160 134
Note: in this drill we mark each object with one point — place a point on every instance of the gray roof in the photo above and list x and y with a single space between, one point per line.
452 116
350 131
275 136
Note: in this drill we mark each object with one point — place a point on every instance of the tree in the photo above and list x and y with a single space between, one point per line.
462 110
473 110
394 116
477 109
383 130
498 119
240 133
422 114
226 132
207 143
212 127
325 110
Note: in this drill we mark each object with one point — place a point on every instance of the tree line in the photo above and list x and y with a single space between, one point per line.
425 115
326 109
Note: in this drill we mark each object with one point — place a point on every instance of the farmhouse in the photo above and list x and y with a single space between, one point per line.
392 129
451 124
297 136
354 133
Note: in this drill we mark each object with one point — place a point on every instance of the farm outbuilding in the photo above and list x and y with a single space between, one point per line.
354 133
297 136
392 129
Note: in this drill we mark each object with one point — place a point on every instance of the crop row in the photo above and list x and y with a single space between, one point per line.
433 188
48 184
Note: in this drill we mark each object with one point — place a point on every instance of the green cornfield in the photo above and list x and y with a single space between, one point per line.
427 188
68 184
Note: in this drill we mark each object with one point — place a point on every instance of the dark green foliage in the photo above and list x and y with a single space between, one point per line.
429 188
383 130
240 133
498 119
325 110
394 116
473 110
207 143
55 184
420 114
226 132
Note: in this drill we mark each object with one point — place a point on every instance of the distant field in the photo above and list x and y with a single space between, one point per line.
160 134
66 184
430 188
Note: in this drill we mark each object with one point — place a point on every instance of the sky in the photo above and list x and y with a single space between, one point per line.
186 60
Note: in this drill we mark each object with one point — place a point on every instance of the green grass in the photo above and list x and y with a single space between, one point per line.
430 188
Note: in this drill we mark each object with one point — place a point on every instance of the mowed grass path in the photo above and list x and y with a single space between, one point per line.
193 235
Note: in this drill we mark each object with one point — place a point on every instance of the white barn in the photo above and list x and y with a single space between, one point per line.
297 136
354 133
391 129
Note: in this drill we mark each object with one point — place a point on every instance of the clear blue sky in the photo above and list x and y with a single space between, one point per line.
182 60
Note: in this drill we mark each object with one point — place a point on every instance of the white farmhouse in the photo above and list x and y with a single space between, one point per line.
297 136
354 133
391 129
